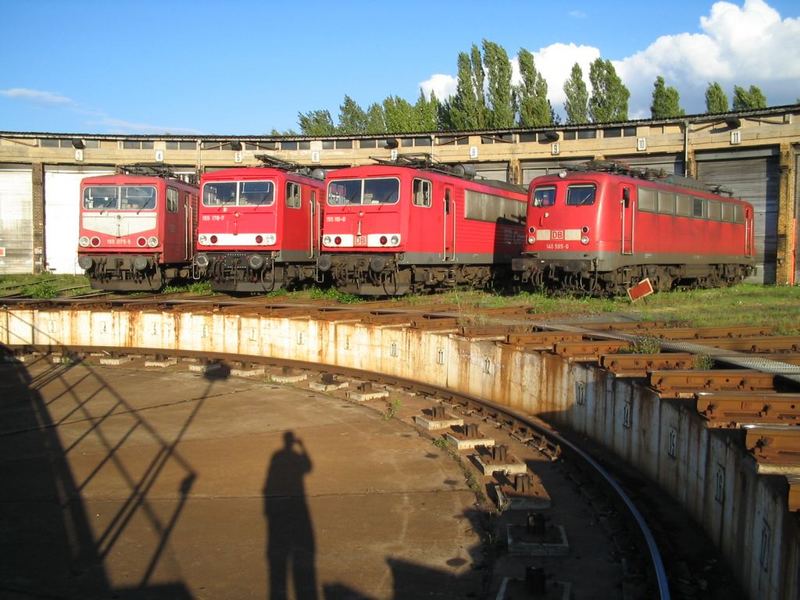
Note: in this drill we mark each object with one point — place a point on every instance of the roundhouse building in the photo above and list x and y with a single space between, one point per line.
755 153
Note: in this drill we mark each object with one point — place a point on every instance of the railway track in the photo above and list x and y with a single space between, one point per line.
733 377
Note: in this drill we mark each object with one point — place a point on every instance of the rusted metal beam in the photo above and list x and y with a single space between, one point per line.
638 365
731 409
685 383
694 333
777 446
589 351
542 340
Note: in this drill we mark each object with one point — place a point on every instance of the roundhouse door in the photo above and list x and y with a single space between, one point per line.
449 224
626 217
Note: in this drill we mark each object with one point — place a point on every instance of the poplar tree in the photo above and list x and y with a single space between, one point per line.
464 110
399 114
609 100
352 118
577 104
531 94
427 112
498 67
479 86
716 99
748 99
316 123
375 119
666 101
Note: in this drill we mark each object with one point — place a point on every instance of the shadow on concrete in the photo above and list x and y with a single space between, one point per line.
290 538
51 546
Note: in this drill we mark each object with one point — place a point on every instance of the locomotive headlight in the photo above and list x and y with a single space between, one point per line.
531 229
383 240
255 262
202 238
152 241
95 241
337 240
141 242
584 239
269 239
201 260
395 240
531 239
83 241
326 239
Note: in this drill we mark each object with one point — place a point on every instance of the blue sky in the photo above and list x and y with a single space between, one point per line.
245 67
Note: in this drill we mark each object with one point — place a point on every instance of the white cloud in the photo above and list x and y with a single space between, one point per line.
739 45
440 84
122 126
577 14
38 96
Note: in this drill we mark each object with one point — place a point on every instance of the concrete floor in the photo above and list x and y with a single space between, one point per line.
123 483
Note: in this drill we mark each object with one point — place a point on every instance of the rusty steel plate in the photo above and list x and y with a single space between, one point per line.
685 383
778 446
733 409
638 365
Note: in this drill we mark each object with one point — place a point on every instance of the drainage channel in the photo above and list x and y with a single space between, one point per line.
468 428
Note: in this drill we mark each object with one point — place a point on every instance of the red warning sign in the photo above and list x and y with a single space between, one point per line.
640 290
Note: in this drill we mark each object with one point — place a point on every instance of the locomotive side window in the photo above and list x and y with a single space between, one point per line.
738 213
422 193
728 213
172 200
544 196
714 210
293 197
581 195
698 208
683 206
256 193
666 203
647 199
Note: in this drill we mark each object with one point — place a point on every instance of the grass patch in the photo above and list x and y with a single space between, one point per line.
43 285
332 294
392 408
199 288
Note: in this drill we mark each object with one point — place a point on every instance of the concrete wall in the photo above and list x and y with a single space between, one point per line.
707 471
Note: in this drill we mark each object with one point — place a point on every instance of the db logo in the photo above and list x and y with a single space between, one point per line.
557 234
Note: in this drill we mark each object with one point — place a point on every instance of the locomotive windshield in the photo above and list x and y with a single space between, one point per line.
544 196
239 193
363 191
581 195
119 197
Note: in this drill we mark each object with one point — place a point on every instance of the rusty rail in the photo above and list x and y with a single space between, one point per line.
732 409
685 383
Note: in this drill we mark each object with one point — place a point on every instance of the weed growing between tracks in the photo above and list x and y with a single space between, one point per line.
392 408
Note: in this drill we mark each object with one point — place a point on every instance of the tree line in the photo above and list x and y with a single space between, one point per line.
485 98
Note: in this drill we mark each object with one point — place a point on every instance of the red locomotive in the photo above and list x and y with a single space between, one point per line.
606 227
413 224
137 229
259 226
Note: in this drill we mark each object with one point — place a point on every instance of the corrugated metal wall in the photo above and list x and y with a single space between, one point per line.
669 163
61 202
753 175
531 169
16 219
492 170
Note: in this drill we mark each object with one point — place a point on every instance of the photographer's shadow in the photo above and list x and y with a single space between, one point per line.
290 538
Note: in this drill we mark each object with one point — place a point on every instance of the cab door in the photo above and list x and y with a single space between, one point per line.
314 225
449 221
174 228
626 204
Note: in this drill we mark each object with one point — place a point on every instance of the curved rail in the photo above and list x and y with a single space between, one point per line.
527 421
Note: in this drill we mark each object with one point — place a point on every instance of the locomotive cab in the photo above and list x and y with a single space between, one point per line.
412 225
602 231
136 231
259 228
